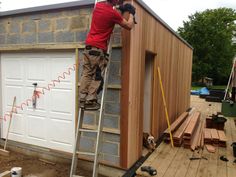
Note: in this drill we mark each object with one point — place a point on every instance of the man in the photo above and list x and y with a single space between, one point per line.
103 21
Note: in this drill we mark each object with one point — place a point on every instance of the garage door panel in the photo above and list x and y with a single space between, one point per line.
14 69
17 126
37 70
62 66
10 92
51 124
61 133
37 127
62 101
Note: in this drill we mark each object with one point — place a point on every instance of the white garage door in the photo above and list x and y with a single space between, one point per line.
51 124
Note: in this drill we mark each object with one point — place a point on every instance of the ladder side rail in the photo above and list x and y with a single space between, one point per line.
102 109
76 145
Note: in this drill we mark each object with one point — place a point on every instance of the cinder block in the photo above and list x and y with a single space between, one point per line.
87 144
2 39
14 27
116 54
79 22
46 37
112 96
87 11
117 39
89 118
111 137
29 38
81 36
115 160
110 148
112 108
44 25
62 24
65 36
13 39
90 135
29 27
55 14
115 73
2 28
111 121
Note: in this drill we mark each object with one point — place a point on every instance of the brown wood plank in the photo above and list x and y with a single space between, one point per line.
175 165
179 133
177 123
192 168
196 137
221 165
214 134
192 125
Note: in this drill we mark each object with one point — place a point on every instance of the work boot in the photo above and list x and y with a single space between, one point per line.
82 102
91 105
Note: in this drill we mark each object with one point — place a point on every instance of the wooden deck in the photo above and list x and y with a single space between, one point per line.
174 162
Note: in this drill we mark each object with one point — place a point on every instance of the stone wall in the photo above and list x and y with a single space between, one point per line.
70 26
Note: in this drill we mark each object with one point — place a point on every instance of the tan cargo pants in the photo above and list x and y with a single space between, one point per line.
92 74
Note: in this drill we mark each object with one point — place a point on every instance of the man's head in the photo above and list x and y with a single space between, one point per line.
116 2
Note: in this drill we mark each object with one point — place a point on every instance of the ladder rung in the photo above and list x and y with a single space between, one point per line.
88 130
77 176
86 153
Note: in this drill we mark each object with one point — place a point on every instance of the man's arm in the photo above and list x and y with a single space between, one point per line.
128 21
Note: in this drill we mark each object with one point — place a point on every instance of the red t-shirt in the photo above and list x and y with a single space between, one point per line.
103 21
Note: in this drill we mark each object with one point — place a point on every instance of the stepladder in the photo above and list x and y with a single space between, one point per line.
98 131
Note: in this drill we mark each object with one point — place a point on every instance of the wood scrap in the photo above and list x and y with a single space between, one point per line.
4 174
196 137
210 148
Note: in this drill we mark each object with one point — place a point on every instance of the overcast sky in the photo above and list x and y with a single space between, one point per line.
173 12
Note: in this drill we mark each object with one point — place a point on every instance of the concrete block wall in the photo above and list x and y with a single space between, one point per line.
111 135
71 27
58 26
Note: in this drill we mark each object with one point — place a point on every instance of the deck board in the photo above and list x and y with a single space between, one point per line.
174 162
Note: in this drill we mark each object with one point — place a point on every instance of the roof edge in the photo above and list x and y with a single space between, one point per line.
87 3
147 8
47 7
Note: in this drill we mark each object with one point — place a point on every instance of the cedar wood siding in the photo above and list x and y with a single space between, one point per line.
174 57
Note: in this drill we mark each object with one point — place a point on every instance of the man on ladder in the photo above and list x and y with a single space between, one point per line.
103 21
96 65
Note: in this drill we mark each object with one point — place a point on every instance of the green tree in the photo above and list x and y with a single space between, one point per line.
211 34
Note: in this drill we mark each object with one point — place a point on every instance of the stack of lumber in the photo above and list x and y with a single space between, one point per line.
175 125
178 134
191 130
215 137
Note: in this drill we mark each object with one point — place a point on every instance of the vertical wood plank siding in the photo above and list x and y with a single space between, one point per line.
174 58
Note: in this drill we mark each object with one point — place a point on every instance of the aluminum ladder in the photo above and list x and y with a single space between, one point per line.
98 131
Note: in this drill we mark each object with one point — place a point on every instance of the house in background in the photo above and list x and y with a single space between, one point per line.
38 44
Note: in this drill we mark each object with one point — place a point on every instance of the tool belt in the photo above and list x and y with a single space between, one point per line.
96 51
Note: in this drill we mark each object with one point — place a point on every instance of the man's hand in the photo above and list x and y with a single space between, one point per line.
127 8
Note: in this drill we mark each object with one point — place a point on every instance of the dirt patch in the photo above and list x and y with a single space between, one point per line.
33 167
